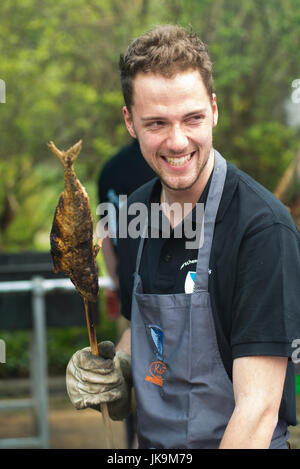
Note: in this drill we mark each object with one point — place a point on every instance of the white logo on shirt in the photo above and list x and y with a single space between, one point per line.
193 261
189 282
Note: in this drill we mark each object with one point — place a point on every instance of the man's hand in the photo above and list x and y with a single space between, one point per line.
92 380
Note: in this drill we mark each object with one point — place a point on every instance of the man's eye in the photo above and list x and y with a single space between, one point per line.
195 119
155 124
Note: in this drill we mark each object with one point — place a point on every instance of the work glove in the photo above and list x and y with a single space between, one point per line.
92 380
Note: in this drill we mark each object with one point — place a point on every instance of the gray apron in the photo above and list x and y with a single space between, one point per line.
183 393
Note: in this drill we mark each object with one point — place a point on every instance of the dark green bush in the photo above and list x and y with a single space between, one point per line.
61 344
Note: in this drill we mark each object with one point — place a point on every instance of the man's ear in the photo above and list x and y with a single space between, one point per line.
215 110
128 122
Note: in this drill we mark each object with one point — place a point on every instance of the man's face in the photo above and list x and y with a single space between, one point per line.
173 118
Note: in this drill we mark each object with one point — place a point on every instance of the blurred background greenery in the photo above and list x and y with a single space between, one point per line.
59 60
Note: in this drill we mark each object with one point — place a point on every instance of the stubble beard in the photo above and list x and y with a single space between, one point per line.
189 185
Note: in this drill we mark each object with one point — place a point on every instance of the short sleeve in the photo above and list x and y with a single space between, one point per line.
266 305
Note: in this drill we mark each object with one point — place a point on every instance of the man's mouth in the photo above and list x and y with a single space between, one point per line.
178 161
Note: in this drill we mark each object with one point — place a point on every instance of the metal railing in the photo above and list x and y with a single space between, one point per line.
38 403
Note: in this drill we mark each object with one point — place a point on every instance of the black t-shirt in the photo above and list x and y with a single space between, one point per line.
123 173
254 273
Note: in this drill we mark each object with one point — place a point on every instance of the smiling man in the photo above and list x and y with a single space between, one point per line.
210 346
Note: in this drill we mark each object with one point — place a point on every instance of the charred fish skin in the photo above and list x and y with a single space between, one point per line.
71 236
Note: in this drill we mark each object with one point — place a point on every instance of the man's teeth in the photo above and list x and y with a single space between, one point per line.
179 161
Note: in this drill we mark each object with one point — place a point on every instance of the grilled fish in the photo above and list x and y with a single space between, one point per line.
71 236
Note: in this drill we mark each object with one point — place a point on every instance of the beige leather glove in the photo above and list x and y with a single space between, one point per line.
92 380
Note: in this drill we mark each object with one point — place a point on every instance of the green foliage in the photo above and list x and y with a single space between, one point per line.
252 45
17 354
60 345
59 60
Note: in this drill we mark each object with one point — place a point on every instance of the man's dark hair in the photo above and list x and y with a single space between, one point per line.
164 50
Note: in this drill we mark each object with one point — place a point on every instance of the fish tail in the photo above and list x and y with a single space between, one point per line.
68 157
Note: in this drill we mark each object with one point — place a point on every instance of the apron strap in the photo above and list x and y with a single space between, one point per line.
141 245
210 213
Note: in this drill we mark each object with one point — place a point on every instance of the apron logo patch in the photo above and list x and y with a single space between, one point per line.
156 372
189 282
158 338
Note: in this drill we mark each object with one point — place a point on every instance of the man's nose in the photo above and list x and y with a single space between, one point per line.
177 141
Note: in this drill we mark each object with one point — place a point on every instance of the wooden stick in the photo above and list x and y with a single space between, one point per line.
91 328
94 349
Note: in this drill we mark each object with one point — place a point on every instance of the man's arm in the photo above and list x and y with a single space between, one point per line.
258 385
124 342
